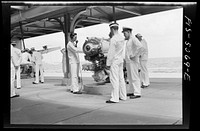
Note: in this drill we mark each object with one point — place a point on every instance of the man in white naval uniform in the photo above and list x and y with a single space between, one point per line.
13 64
74 63
37 60
17 56
115 60
26 57
133 48
64 62
144 75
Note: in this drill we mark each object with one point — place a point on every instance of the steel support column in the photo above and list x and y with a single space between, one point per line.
114 17
66 32
22 34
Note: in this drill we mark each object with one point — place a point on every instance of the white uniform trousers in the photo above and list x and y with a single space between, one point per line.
133 77
18 76
64 68
39 68
144 75
118 83
74 78
12 81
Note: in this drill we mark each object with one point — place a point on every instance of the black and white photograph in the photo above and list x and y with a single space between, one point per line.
98 64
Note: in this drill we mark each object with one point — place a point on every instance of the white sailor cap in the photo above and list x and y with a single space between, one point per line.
138 35
113 24
32 49
13 43
126 29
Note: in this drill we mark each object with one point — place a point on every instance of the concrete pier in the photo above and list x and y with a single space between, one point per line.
51 104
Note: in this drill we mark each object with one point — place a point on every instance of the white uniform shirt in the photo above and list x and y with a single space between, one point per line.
116 50
133 49
25 57
17 56
72 53
37 57
144 53
11 57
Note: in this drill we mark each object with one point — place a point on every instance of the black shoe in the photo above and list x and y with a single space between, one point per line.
121 99
130 94
35 83
77 92
15 96
143 86
133 97
109 101
41 82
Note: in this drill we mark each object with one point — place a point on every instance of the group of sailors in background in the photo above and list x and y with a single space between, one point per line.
31 60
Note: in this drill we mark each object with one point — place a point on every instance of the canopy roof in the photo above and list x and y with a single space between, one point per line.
35 20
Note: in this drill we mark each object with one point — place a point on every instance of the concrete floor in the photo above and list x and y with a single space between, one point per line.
51 104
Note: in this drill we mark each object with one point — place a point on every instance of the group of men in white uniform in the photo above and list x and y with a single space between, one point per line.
135 54
134 59
133 51
18 58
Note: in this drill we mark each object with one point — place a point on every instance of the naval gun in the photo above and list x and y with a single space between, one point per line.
96 50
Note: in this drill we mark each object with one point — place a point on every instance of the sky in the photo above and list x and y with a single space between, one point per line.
162 31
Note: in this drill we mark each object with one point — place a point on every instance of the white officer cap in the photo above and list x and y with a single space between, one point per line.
126 29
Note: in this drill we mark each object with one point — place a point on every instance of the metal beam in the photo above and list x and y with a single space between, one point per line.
19 35
43 28
128 11
17 7
98 19
95 20
92 21
102 12
37 13
124 10
42 12
39 33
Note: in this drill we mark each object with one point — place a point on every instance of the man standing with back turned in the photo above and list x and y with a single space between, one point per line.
133 49
17 56
144 75
115 61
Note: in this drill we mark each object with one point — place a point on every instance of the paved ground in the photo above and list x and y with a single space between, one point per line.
51 104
